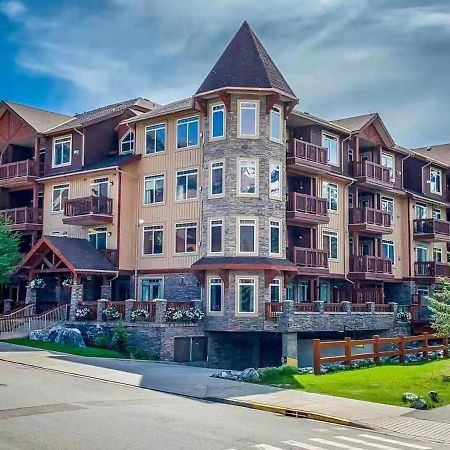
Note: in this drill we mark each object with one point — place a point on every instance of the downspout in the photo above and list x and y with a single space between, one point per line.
82 146
409 214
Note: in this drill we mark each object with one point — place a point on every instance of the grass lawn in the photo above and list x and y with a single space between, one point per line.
381 384
88 351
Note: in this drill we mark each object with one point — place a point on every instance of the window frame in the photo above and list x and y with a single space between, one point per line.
187 199
96 232
187 134
211 168
211 122
421 247
390 156
439 251
280 240
152 228
389 243
239 219
156 177
190 225
67 137
276 282
209 284
388 200
273 164
141 284
280 114
98 181
423 207
439 173
337 138
222 235
331 233
255 295
60 188
239 119
239 163
157 126
436 210
132 142
325 186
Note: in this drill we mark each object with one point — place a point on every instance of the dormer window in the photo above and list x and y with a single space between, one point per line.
62 151
248 119
127 143
218 121
435 181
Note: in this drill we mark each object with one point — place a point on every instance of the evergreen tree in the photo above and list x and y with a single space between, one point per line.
9 250
439 305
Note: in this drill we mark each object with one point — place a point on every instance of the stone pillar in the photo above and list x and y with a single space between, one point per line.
289 349
370 307
129 303
198 304
101 305
76 298
319 306
346 306
161 308
394 307
105 291
30 298
7 306
287 315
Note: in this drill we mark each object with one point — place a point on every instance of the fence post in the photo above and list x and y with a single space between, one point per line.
348 351
376 349
401 348
316 356
425 345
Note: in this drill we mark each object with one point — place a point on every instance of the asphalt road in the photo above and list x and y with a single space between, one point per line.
41 409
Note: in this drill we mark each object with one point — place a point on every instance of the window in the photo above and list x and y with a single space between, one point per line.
350 154
218 121
216 236
215 295
388 162
275 123
187 132
97 237
437 214
62 151
387 205
290 292
60 193
324 291
435 181
350 200
247 235
99 187
275 237
185 238
330 192
275 181
330 244
127 143
421 253
152 242
248 123
155 139
388 250
437 255
303 291
217 178
248 174
421 211
152 288
331 143
154 189
246 295
187 184
275 291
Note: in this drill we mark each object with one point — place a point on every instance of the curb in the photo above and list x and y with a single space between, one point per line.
290 412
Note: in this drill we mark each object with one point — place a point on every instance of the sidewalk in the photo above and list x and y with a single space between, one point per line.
197 382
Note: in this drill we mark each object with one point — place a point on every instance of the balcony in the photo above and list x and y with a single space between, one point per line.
370 220
24 219
370 268
310 261
88 211
306 209
431 270
307 157
372 175
359 295
431 230
20 173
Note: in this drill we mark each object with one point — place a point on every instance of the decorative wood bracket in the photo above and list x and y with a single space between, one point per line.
202 105
289 278
225 276
271 100
288 108
269 275
226 98
200 274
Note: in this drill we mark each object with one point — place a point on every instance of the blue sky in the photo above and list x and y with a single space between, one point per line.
341 57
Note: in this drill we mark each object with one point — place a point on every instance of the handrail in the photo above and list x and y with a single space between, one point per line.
310 257
21 312
431 269
372 170
305 203
23 215
17 169
307 151
372 264
430 226
370 216
88 205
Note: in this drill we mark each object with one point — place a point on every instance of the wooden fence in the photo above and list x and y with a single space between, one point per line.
421 345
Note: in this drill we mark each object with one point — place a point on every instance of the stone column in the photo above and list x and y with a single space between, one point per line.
370 307
285 321
346 306
394 307
105 291
30 298
198 304
289 349
129 303
101 305
7 306
319 306
161 308
76 298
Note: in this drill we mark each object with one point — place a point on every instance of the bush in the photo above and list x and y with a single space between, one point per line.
279 375
140 353
102 341
120 339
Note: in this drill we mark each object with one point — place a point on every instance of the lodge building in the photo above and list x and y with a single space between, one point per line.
282 225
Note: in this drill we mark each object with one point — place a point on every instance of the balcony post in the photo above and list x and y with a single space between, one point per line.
161 309
76 298
319 306
346 306
370 307
129 304
394 307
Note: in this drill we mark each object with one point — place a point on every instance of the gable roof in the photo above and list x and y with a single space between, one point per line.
440 153
355 123
245 63
39 119
83 119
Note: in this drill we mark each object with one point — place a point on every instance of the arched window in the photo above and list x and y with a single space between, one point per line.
127 143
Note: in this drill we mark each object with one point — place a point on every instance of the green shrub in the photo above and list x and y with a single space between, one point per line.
120 339
102 341
139 353
279 375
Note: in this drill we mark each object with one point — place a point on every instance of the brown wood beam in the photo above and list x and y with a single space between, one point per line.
269 275
225 277
270 101
200 274
226 98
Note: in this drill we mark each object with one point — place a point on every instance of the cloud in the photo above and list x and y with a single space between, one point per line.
341 57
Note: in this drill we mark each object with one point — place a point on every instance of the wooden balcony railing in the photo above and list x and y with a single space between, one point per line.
370 216
304 307
370 264
371 171
310 257
23 216
26 168
112 255
88 205
308 204
420 313
150 307
431 269
431 226
272 309
359 295
307 152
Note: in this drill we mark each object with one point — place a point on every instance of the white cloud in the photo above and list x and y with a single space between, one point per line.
13 9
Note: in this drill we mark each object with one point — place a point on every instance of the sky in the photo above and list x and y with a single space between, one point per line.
341 57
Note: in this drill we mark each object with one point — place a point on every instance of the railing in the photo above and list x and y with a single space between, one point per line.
358 307
431 226
308 152
304 307
383 308
308 204
112 255
431 269
310 257
26 215
150 307
88 205
27 168
370 216
420 313
20 312
119 306
359 295
370 264
178 306
397 347
371 170
272 309
333 307
92 307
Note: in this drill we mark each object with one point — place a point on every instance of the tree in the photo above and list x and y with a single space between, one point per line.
439 305
9 250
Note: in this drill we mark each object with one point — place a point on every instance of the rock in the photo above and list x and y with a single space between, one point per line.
59 335
39 335
446 378
410 397
249 375
434 396
420 403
